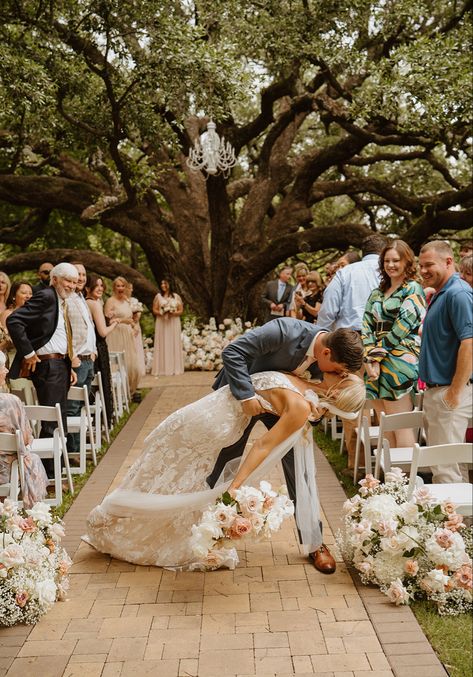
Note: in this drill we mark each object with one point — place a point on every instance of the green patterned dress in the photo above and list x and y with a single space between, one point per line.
390 336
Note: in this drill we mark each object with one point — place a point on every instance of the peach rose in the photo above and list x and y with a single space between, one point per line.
411 567
240 527
463 577
21 598
454 522
28 525
448 507
369 482
49 543
397 593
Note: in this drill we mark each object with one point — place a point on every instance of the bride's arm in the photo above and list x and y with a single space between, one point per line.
294 414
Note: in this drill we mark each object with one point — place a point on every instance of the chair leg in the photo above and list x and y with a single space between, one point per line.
57 478
83 446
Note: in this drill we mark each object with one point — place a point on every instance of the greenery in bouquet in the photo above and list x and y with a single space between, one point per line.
203 345
33 566
256 512
412 549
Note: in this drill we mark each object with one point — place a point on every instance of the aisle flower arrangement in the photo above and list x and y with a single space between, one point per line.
412 549
33 566
203 345
256 512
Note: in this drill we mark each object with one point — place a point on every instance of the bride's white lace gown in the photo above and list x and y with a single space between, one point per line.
148 519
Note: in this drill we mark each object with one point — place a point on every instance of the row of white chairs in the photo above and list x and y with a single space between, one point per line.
91 423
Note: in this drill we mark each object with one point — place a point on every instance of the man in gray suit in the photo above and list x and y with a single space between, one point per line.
277 295
291 345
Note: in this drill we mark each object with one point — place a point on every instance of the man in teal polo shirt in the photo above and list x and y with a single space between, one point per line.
446 355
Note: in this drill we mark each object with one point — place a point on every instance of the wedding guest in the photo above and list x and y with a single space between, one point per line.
94 288
348 258
5 285
301 290
42 336
446 355
137 309
466 249
393 315
122 339
311 302
277 295
12 418
168 358
84 347
466 269
20 293
44 272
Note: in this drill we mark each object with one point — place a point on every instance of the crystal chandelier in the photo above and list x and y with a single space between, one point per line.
211 153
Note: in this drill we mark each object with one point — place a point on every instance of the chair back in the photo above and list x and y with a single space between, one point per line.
438 455
11 443
409 419
78 393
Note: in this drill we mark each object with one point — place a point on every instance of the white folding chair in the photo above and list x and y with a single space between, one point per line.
51 447
83 425
460 493
366 435
99 412
117 386
398 456
11 443
126 393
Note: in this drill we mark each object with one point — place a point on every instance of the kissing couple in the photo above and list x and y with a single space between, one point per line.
187 461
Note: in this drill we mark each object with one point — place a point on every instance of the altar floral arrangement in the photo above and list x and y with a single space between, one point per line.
203 345
33 566
412 549
256 512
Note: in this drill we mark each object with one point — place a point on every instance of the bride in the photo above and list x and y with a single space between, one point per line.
148 519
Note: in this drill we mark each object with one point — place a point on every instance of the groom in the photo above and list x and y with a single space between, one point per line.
284 344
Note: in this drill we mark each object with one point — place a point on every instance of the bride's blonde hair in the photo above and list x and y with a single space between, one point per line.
349 394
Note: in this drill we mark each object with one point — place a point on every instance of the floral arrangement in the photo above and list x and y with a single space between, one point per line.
33 566
259 512
412 549
168 305
148 351
136 306
203 346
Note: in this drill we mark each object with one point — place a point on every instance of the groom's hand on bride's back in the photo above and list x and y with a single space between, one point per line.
252 407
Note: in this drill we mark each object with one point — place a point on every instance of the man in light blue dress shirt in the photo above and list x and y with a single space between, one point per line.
346 295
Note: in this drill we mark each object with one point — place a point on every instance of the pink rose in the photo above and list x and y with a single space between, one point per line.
240 527
397 593
454 522
268 503
463 577
21 598
444 538
411 567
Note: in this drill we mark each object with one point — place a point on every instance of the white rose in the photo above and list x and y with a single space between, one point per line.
397 593
392 545
57 531
225 514
274 520
394 475
12 556
266 488
435 580
41 514
46 592
409 512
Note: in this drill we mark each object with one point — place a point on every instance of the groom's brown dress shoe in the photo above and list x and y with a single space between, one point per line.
322 560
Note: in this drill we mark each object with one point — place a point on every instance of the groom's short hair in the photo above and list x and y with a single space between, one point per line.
346 348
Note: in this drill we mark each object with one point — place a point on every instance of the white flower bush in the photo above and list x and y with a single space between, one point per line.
257 512
411 549
203 345
33 566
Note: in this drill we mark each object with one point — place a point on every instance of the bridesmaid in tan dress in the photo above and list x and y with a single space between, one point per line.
168 359
118 307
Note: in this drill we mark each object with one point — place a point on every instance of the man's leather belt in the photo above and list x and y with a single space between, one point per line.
51 356
86 357
445 385
382 327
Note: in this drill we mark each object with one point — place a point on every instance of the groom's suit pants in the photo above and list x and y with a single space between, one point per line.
236 450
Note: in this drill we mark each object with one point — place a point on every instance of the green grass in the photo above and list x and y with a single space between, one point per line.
450 636
80 480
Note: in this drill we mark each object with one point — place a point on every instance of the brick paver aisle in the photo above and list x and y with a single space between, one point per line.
274 616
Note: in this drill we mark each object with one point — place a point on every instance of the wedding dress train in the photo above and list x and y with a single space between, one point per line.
148 519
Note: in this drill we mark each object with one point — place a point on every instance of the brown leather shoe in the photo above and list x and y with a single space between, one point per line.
322 560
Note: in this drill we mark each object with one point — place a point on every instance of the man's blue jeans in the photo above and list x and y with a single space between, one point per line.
85 376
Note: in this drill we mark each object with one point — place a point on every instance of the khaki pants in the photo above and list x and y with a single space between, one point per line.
447 426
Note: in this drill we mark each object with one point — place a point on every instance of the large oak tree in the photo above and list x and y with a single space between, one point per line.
345 118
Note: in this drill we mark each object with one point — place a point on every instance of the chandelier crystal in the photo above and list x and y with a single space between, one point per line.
212 153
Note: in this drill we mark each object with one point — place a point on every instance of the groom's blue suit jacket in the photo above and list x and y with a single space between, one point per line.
279 345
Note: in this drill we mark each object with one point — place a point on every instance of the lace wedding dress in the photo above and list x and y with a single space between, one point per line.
148 519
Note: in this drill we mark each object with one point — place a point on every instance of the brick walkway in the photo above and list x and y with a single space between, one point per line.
274 616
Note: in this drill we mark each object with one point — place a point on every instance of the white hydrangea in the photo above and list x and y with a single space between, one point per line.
379 507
